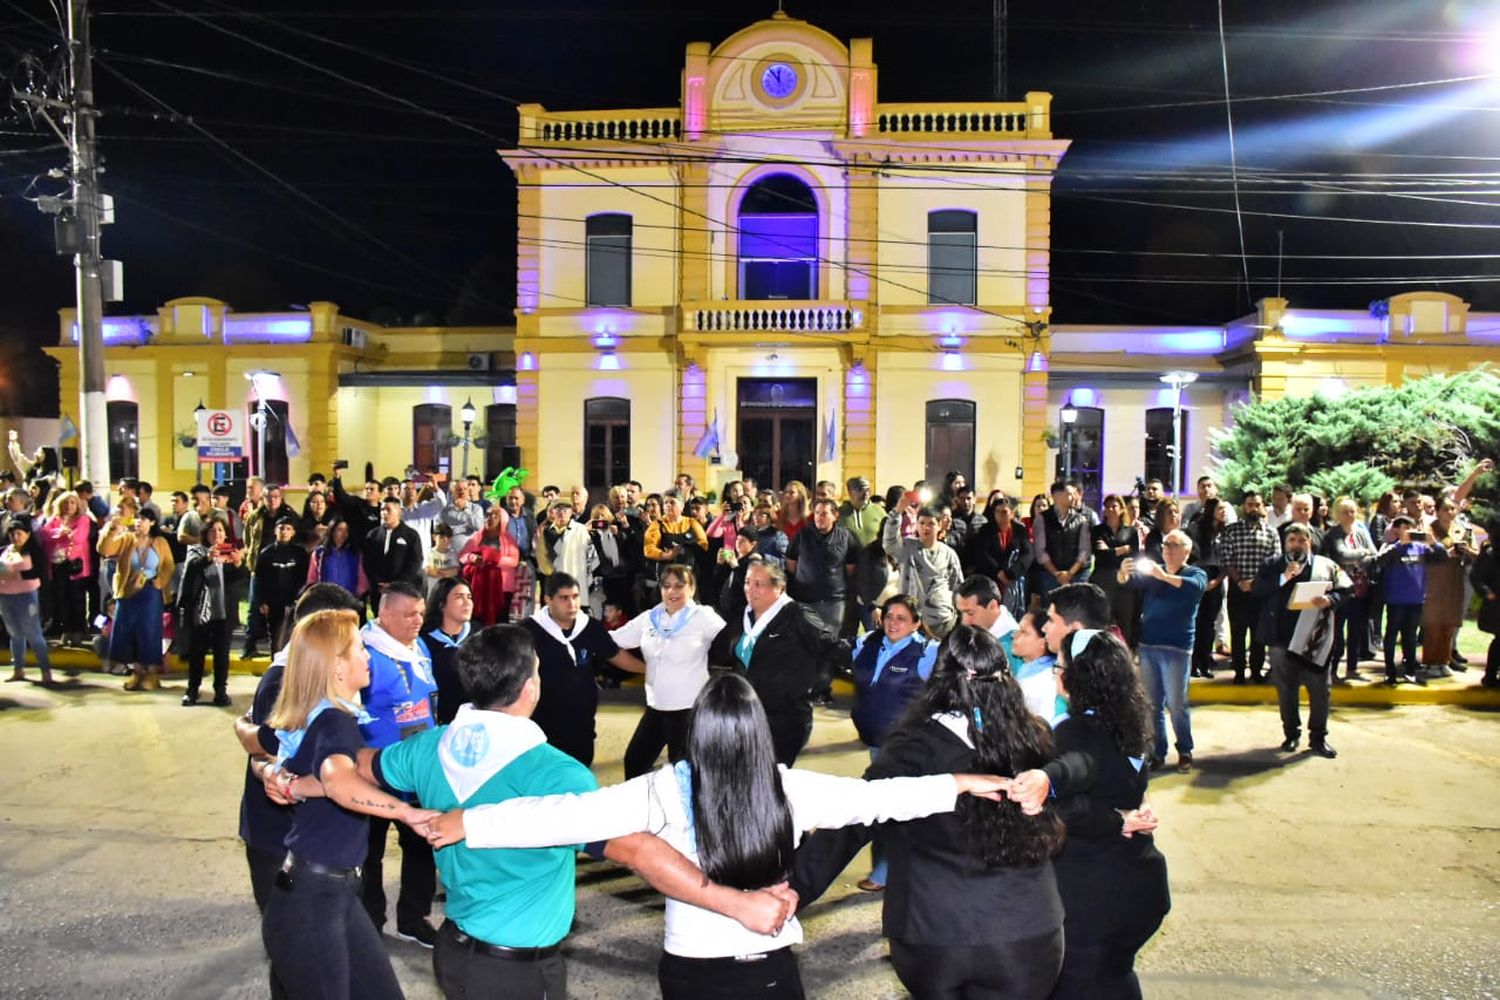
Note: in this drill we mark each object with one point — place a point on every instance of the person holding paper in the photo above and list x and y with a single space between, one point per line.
1302 593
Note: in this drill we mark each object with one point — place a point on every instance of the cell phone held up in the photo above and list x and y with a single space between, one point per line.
340 464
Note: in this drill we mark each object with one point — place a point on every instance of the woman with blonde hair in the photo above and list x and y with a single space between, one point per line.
66 539
315 928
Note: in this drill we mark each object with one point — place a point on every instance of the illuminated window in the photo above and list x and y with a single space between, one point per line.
276 468
1081 455
952 258
607 264
778 240
500 439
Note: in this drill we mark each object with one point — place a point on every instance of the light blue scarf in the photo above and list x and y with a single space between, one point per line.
290 740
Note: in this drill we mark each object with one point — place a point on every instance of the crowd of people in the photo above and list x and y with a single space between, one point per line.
439 651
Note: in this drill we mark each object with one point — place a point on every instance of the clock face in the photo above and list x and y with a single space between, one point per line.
779 80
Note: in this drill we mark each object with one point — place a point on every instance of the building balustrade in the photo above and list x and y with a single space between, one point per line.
774 316
642 125
1018 119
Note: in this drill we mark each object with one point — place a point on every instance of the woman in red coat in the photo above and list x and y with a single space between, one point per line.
489 564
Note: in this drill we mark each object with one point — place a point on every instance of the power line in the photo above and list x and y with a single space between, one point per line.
1239 218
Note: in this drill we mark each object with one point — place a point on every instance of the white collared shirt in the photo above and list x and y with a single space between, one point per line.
676 656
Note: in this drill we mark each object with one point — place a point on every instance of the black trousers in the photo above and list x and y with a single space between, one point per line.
1290 674
322 944
1015 970
1103 968
1243 610
418 876
774 976
263 868
276 616
70 604
1401 622
462 972
1203 637
790 731
212 637
656 729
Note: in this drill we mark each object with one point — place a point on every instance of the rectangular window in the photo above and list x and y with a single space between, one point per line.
1159 448
499 439
950 439
431 428
607 263
778 256
1080 456
124 439
952 258
606 444
276 468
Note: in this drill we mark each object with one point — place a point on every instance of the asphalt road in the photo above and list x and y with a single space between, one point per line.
1375 875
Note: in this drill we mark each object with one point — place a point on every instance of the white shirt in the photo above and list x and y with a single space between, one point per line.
652 803
675 648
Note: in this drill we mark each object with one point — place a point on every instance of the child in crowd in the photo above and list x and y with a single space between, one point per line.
441 561
1404 576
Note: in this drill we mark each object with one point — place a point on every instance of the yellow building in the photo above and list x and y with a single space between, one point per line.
336 388
808 282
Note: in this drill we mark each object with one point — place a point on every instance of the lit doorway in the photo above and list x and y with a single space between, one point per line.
778 437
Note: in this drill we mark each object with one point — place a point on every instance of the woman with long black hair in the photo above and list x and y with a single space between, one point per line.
971 905
450 613
1112 878
731 809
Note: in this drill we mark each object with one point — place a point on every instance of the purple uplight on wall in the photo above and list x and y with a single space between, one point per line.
264 329
1036 363
1084 397
527 362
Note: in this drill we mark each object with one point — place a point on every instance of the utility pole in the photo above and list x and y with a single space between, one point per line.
93 424
1001 25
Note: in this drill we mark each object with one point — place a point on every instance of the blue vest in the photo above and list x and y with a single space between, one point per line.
879 703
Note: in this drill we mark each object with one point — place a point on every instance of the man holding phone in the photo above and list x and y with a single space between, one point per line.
1403 569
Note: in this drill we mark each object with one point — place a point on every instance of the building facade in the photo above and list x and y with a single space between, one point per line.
335 387
783 277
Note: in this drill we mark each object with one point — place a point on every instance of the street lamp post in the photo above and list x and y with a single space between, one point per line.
468 413
1069 414
1178 380
198 412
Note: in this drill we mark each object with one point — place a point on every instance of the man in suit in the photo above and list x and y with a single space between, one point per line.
778 645
391 552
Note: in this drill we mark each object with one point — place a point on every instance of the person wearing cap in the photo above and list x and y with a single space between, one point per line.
280 573
141 585
23 570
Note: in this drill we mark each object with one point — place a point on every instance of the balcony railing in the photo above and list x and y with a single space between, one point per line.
773 316
637 125
1016 119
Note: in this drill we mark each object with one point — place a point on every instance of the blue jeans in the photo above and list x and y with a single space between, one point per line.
1164 671
22 614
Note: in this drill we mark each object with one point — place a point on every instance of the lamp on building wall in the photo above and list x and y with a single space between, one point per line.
468 413
1178 380
1069 415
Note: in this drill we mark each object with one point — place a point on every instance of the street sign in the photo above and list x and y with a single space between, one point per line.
221 436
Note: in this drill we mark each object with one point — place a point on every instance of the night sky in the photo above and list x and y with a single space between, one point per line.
270 155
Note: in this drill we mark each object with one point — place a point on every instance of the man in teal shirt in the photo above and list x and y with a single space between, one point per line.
509 910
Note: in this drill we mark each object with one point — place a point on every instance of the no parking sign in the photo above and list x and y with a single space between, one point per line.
221 435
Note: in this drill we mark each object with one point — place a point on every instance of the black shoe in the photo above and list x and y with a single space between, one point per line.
1390 682
222 700
249 652
1239 679
419 933
1324 749
1489 682
1458 665
1289 745
1419 678
190 699
1257 678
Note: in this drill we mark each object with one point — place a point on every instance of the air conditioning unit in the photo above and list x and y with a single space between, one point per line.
356 338
477 362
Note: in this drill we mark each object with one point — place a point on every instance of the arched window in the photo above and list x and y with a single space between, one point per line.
431 426
950 439
124 419
1080 456
778 241
1159 448
952 257
606 443
607 237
